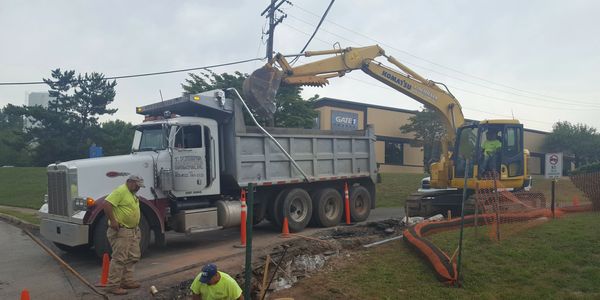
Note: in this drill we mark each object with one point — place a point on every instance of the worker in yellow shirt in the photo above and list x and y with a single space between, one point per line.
212 284
122 209
491 148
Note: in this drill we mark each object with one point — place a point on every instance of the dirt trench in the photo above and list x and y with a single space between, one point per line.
298 258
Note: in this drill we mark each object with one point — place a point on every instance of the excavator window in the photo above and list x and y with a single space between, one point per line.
466 145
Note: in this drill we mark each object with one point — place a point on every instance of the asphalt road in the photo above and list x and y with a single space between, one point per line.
25 264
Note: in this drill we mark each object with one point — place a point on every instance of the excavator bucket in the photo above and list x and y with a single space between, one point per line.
260 88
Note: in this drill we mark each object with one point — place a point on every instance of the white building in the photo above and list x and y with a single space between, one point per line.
36 99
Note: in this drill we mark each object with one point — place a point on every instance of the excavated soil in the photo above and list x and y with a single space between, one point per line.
295 259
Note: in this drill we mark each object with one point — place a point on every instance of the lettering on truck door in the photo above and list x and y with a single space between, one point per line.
189 164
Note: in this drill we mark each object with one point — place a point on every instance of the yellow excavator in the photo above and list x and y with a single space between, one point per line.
464 150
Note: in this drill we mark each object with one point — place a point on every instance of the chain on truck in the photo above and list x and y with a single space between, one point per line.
195 154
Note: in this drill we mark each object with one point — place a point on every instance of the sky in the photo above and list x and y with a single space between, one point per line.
536 61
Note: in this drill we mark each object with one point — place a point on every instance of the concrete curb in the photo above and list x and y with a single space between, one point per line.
18 222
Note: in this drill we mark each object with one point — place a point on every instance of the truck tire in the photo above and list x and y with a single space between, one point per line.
360 204
101 244
259 213
297 207
327 207
275 213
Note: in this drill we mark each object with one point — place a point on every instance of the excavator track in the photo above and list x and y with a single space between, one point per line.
427 204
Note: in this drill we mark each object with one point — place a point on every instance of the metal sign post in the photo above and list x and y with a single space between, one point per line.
554 162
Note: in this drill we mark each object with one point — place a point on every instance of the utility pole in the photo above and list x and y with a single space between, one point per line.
273 21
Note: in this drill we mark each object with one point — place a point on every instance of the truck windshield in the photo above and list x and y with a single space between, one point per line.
149 138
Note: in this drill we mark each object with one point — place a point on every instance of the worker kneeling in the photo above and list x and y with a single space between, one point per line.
491 148
214 284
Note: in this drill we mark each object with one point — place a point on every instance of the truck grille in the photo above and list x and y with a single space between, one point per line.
58 196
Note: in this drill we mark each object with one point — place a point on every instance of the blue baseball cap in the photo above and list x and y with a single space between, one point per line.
208 271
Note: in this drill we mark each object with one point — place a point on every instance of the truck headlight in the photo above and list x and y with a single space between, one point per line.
80 203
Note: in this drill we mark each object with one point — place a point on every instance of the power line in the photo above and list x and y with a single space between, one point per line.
465 108
445 67
315 32
593 106
472 92
149 74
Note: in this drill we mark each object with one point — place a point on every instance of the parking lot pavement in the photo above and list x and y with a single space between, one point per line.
24 265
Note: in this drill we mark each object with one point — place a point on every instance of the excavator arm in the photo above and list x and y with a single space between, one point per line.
319 72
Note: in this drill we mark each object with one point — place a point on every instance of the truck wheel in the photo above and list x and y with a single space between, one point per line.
360 204
258 213
327 207
101 244
71 249
297 207
275 215
145 235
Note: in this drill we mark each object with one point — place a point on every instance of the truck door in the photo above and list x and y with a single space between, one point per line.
189 159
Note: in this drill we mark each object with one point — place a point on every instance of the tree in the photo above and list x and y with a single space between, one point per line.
428 130
577 140
13 142
115 137
64 130
291 109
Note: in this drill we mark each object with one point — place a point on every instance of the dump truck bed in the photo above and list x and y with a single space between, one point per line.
249 156
322 155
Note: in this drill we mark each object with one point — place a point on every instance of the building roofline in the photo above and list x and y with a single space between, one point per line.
345 103
325 101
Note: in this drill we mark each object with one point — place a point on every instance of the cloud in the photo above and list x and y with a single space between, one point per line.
545 47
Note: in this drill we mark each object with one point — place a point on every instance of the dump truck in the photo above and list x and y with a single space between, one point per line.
196 154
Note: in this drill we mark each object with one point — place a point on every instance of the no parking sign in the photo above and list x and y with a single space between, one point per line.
554 165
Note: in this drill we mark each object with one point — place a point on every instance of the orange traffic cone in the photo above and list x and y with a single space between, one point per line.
25 294
104 275
285 232
347 203
105 264
575 201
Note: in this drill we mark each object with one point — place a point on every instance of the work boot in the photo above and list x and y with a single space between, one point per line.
118 291
131 285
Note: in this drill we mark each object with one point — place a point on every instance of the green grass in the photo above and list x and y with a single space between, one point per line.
22 187
395 188
28 217
25 187
564 190
559 259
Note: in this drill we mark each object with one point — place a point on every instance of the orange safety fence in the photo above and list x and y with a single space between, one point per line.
503 212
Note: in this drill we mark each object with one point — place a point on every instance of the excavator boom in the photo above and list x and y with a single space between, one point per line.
261 87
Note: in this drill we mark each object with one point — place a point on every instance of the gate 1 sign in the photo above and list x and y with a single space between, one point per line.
342 120
554 165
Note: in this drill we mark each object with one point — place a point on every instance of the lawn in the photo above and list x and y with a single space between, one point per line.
558 259
395 188
28 217
23 187
565 190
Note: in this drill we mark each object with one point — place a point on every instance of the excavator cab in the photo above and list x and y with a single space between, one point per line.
494 149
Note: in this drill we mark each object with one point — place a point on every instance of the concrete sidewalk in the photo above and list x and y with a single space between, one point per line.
25 265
